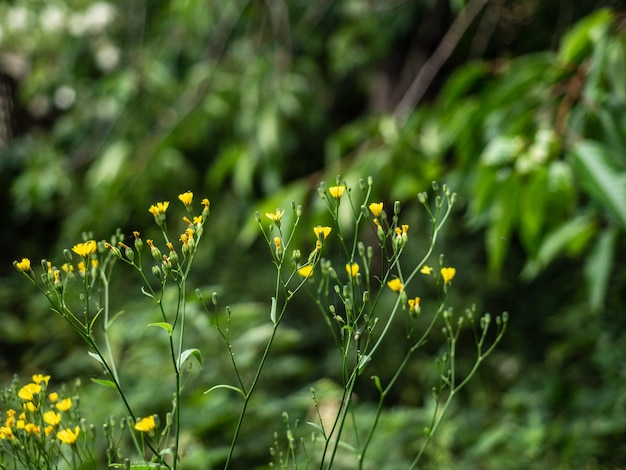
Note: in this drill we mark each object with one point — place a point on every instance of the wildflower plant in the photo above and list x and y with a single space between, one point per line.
361 290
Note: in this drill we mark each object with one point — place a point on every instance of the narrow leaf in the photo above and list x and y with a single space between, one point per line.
597 172
106 383
96 357
273 311
228 387
598 267
166 326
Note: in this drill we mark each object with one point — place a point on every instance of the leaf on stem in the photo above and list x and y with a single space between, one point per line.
166 326
273 311
228 387
194 352
106 383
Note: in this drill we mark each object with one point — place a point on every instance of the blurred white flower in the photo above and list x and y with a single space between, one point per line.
52 19
107 56
17 19
64 97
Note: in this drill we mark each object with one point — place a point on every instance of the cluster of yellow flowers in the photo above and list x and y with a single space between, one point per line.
34 418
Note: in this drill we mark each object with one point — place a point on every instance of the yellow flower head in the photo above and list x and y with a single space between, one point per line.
352 269
395 285
376 208
448 274
53 397
145 424
85 249
414 304
6 432
277 243
29 406
275 217
64 404
31 428
306 270
159 208
321 232
197 220
38 378
336 191
67 436
426 270
28 391
52 418
23 265
186 198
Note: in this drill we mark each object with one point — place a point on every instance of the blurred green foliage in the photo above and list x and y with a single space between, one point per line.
119 104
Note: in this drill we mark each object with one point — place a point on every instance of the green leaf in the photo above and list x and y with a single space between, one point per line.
193 352
227 387
578 41
597 172
598 267
166 326
571 236
106 383
96 357
273 311
377 383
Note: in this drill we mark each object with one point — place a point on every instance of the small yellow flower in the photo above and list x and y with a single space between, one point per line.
275 217
29 406
53 397
28 391
85 249
31 428
38 378
352 269
395 285
414 304
67 436
306 270
81 267
186 198
277 243
336 191
6 432
376 208
23 265
145 424
64 404
321 232
52 418
197 220
67 268
159 208
426 270
448 274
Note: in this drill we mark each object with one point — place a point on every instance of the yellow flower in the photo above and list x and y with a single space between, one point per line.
6 432
376 208
426 270
447 274
197 220
145 424
352 269
67 267
395 285
67 436
64 404
159 208
186 198
28 391
31 428
321 232
85 249
53 397
277 243
29 406
306 270
23 265
52 418
38 378
275 217
414 304
336 191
